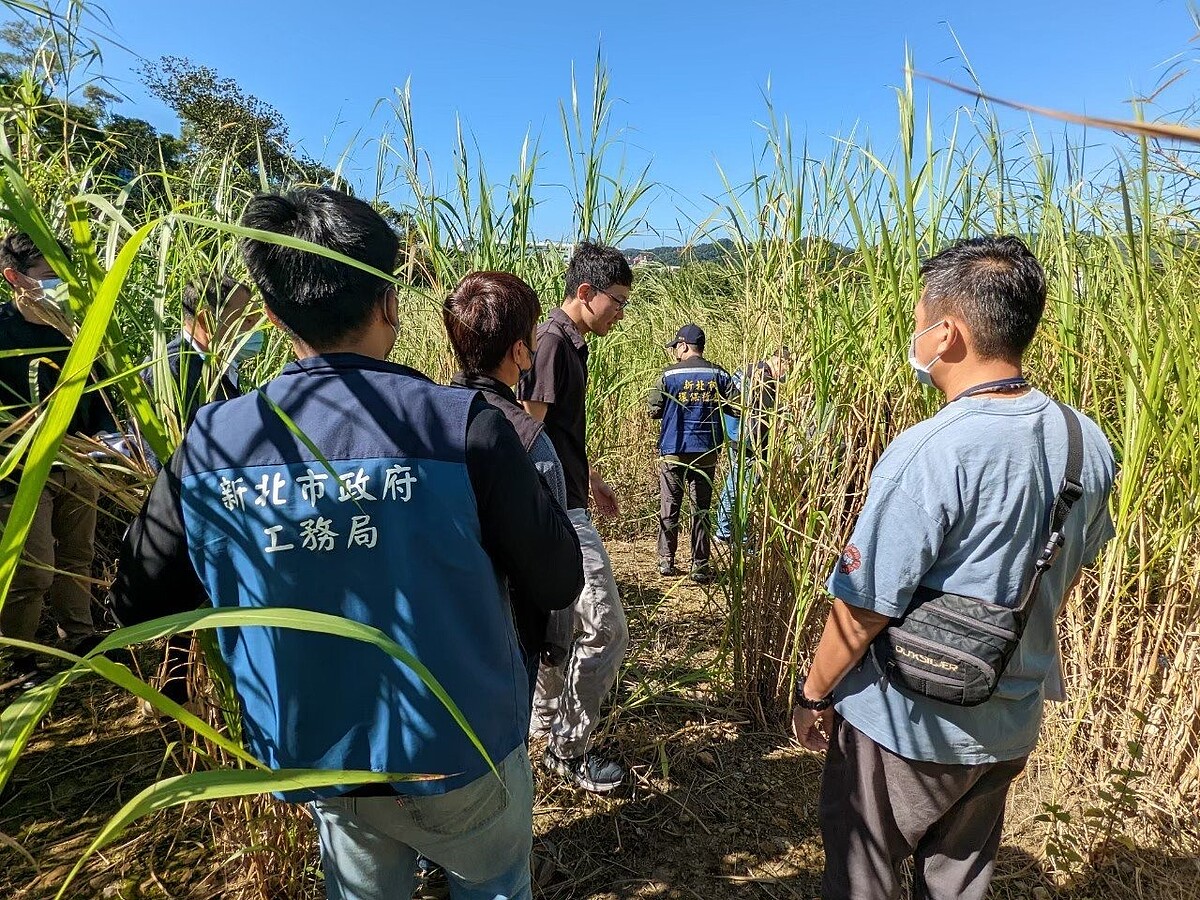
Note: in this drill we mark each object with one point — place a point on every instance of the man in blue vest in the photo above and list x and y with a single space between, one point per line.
353 486
688 401
958 504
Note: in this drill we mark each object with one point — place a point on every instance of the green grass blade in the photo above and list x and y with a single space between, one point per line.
60 409
219 784
123 678
300 619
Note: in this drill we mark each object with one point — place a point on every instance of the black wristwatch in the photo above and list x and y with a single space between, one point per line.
816 705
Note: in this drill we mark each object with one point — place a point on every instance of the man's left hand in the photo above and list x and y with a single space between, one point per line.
604 497
812 728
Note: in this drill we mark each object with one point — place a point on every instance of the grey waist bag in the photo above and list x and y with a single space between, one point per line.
953 648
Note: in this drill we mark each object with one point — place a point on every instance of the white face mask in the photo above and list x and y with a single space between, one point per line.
922 371
46 305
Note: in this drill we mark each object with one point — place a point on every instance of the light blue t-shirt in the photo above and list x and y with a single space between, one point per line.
961 503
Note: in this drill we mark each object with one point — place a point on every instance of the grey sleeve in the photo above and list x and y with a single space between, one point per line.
548 465
895 541
655 399
528 536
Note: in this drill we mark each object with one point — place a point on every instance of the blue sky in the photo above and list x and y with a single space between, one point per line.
688 77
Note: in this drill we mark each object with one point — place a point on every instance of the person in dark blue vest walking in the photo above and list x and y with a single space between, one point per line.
353 486
688 401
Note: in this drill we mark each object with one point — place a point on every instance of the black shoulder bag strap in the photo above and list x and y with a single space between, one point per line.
1069 492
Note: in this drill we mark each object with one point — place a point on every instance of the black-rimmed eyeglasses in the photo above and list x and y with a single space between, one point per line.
621 302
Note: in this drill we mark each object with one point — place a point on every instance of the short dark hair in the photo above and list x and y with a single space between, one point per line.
212 294
599 266
488 313
20 253
996 285
318 299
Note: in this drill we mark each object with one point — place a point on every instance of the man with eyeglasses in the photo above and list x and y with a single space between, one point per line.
567 703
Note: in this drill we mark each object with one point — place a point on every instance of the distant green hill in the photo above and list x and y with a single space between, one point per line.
676 256
717 250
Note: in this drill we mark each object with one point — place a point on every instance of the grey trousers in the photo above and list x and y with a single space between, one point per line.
695 471
877 809
567 701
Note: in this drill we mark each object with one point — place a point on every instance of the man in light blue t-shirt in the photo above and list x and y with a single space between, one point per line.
959 503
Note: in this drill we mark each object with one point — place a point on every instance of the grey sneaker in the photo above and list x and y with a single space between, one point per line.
590 772
667 569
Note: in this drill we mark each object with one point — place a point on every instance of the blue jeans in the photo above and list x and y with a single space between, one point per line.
743 468
481 834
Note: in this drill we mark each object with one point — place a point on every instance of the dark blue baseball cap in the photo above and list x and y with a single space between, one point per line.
689 334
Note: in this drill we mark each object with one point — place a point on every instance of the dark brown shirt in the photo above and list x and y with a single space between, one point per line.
559 378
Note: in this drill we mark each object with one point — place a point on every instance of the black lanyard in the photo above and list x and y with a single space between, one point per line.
994 387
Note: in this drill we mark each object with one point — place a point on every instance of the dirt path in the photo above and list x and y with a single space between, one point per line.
718 809
723 810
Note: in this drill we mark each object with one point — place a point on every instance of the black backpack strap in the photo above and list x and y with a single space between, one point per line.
1069 492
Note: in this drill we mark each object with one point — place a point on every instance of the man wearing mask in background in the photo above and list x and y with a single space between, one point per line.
687 401
567 704
214 318
749 435
61 542
959 506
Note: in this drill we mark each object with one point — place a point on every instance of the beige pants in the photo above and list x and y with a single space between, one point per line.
58 556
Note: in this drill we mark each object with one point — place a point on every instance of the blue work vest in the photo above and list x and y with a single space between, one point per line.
693 393
391 537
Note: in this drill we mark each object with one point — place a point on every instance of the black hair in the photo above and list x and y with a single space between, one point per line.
212 294
319 300
20 253
599 266
996 285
